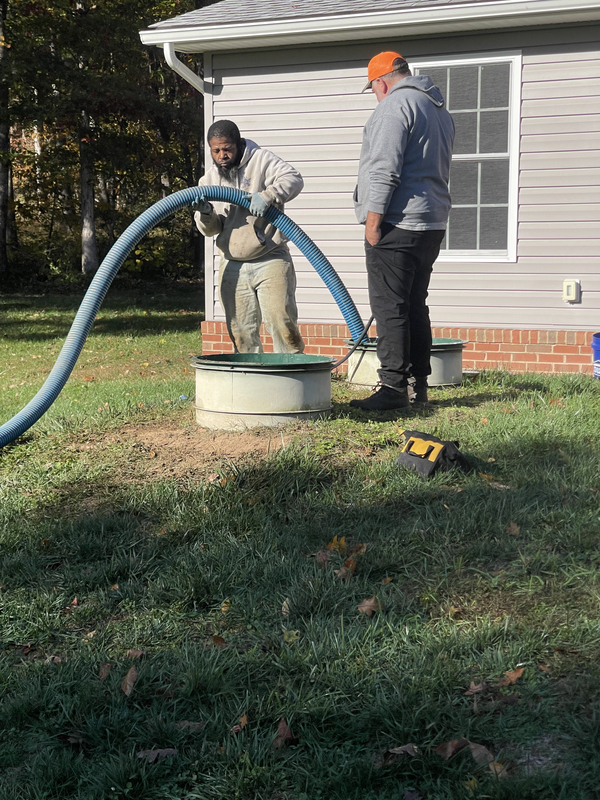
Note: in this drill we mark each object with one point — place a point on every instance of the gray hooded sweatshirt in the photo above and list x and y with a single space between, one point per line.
405 158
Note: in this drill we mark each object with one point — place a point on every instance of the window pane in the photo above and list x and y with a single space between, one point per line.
439 77
463 183
493 132
462 229
495 82
465 140
463 88
493 234
494 181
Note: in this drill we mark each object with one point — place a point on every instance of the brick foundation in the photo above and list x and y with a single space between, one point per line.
487 348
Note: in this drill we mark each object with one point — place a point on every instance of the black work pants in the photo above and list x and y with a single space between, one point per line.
399 269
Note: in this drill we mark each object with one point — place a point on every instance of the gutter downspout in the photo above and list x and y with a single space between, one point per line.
180 68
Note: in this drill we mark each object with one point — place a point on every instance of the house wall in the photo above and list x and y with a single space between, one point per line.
306 105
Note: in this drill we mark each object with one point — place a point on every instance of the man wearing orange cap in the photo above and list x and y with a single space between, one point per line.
402 198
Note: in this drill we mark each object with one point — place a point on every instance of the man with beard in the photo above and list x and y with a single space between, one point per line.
403 201
256 275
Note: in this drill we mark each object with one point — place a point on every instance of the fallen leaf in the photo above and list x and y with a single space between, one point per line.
481 755
347 570
152 454
484 420
498 769
513 529
135 653
409 749
225 606
474 688
54 660
448 749
543 667
114 587
284 737
129 681
219 642
76 737
291 636
213 477
511 677
242 722
104 671
357 550
369 606
471 785
340 545
385 581
156 755
89 378
323 557
496 485
193 727
285 608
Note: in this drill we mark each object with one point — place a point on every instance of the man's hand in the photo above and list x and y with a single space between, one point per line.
372 229
258 206
203 206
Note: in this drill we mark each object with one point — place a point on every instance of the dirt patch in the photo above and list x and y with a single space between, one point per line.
170 450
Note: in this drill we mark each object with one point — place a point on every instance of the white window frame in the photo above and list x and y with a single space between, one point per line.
514 124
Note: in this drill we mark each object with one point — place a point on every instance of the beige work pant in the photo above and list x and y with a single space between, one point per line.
253 291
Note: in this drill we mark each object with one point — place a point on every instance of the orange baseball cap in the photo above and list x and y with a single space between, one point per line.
380 65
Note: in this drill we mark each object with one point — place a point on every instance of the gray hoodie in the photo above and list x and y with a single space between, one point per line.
405 158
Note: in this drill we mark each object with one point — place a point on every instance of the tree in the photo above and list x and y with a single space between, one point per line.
102 122
4 141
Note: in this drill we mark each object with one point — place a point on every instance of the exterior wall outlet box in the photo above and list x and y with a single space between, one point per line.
571 291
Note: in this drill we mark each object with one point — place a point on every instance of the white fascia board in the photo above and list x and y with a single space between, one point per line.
401 22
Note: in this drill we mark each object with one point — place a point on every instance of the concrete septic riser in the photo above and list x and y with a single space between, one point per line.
446 363
246 390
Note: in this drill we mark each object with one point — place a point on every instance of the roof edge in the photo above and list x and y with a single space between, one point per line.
410 22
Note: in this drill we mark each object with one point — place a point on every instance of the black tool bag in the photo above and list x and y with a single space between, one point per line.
426 454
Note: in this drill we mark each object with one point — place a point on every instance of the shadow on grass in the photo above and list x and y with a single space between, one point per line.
166 568
139 314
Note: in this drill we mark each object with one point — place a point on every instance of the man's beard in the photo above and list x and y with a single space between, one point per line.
229 173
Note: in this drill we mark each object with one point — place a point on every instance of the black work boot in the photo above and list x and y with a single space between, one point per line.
420 389
385 398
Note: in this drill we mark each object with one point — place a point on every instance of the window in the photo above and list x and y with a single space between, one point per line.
481 94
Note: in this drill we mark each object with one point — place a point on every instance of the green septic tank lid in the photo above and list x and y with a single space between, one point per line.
262 362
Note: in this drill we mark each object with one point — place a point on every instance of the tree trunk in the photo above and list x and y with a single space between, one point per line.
4 142
12 237
89 248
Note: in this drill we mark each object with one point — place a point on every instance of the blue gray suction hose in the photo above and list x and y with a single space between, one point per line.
99 286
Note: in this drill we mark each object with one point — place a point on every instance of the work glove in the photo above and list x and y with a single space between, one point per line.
203 206
258 206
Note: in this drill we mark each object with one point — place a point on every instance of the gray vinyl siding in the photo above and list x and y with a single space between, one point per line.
305 104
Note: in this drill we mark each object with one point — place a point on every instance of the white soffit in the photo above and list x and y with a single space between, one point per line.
387 24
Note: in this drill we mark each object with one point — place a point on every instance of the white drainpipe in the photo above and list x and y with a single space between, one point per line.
180 68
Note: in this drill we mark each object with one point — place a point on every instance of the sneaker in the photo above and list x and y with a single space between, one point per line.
385 398
420 390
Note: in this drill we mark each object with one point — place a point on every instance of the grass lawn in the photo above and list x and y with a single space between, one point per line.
183 612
